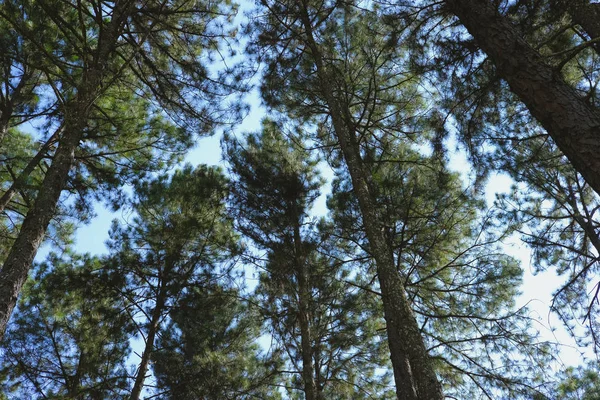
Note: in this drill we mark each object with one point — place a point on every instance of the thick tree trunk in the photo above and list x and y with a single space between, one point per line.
413 371
149 347
569 120
16 267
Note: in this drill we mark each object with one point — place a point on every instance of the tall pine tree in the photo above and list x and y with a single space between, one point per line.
324 325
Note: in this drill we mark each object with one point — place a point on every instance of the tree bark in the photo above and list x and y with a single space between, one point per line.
414 375
149 347
16 267
569 119
308 371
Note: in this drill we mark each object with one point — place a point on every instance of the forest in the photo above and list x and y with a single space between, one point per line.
334 252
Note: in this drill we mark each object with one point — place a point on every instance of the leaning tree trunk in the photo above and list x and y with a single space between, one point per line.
413 370
20 258
573 123
149 347
16 267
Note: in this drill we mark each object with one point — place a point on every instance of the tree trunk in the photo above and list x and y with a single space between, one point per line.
584 14
149 347
569 120
16 267
308 373
413 371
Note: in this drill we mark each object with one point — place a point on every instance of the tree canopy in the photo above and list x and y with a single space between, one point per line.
335 252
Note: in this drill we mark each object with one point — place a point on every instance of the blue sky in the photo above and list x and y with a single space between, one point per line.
537 290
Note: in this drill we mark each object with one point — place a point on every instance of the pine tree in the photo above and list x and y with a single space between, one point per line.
209 350
462 287
69 337
325 327
502 134
569 118
172 244
582 383
107 59
556 212
332 65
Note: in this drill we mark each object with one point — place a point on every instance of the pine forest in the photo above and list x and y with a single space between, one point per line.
299 199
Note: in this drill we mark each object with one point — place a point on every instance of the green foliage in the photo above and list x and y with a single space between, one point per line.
308 296
131 80
177 254
127 140
401 74
556 212
581 383
170 265
19 149
461 285
275 184
168 224
70 336
366 62
209 350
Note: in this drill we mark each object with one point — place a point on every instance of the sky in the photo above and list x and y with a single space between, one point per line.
536 290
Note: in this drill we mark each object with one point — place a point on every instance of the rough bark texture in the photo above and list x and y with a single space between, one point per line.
413 371
569 120
414 375
16 267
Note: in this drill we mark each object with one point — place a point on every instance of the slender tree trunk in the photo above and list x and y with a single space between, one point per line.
413 371
20 181
308 372
569 119
149 347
